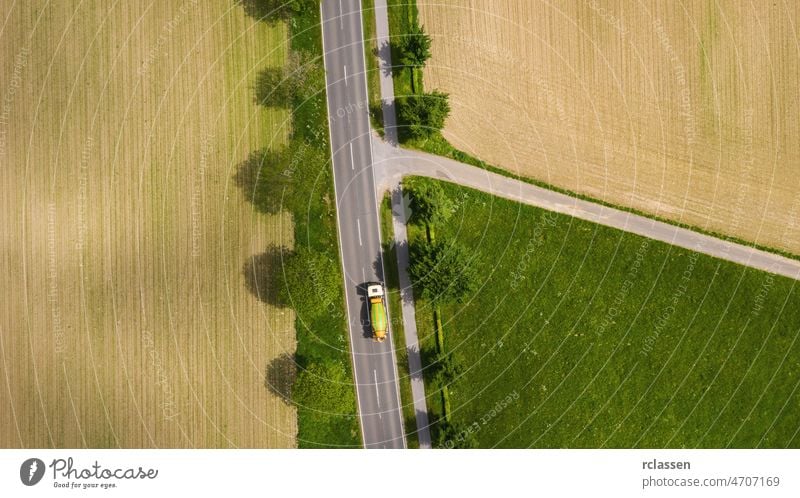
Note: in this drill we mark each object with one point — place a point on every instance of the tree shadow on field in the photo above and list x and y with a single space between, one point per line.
280 376
263 181
272 88
263 274
269 11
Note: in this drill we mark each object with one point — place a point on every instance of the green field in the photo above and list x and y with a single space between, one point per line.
583 336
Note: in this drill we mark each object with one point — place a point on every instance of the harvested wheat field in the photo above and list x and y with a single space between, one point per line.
685 110
126 319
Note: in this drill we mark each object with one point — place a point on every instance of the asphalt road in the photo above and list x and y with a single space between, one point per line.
374 364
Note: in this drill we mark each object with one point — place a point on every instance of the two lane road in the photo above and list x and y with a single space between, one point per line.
374 363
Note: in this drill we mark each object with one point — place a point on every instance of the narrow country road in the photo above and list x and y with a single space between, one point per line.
374 364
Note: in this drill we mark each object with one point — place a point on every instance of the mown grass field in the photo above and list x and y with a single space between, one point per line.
127 319
684 111
597 338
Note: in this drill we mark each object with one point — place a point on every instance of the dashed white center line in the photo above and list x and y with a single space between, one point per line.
352 160
363 275
341 16
345 75
358 223
377 393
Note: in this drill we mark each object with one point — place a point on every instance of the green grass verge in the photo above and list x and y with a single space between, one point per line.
373 70
403 15
587 336
395 310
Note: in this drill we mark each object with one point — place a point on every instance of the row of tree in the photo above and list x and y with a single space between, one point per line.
299 79
441 273
273 11
294 178
439 269
423 114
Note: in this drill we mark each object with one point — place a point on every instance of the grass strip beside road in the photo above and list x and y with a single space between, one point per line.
403 16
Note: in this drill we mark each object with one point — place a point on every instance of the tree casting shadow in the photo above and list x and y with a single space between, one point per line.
271 89
269 11
262 180
280 376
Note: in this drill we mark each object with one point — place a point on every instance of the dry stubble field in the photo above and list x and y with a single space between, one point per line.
685 110
126 320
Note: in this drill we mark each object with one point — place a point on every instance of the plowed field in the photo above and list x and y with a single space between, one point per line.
126 318
684 110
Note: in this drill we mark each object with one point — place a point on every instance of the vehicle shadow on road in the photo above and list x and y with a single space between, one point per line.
366 325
